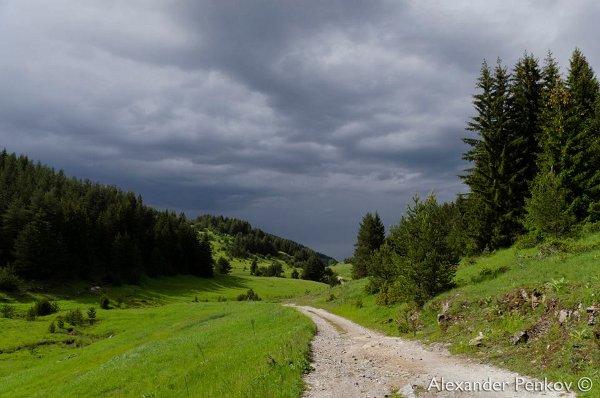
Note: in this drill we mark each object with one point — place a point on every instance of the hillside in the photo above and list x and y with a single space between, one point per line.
55 227
534 308
242 246
121 300
247 240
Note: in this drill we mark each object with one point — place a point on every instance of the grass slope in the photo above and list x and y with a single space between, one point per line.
158 341
241 266
490 299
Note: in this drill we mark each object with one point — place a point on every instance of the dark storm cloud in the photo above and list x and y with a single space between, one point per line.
299 116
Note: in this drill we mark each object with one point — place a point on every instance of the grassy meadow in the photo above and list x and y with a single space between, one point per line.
169 337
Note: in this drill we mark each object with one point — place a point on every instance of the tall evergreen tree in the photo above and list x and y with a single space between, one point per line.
371 235
498 158
583 88
526 91
582 85
570 142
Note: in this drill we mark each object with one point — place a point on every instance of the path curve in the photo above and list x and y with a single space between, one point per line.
352 361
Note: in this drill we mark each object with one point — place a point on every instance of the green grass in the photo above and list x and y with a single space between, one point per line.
158 341
241 266
344 270
487 300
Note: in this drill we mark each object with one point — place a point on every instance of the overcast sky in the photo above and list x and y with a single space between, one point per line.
297 116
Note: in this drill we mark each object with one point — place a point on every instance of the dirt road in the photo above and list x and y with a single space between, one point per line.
352 361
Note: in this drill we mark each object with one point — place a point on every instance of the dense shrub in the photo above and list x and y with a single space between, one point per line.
7 311
74 317
104 303
44 307
30 315
249 296
223 266
275 269
91 313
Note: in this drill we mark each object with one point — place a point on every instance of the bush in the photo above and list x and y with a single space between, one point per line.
52 327
104 303
9 281
74 317
295 274
223 266
274 269
91 313
60 322
7 311
44 307
253 268
330 277
249 296
408 318
30 315
358 303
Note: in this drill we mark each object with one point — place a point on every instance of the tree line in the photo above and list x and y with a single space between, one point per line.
533 151
52 226
249 241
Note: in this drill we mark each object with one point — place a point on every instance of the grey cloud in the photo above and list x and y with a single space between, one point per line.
299 116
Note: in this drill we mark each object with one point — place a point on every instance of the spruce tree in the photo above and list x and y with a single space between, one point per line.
426 258
583 88
498 159
371 235
582 84
565 151
548 210
526 91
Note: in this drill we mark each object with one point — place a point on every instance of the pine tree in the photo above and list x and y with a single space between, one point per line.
548 210
254 267
498 155
223 266
313 269
564 148
427 260
583 88
371 235
526 91
582 85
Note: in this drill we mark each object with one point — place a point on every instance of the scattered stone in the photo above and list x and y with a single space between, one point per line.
477 341
537 298
408 391
593 312
563 315
519 337
566 314
95 289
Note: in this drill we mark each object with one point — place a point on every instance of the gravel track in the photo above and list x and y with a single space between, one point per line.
352 361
